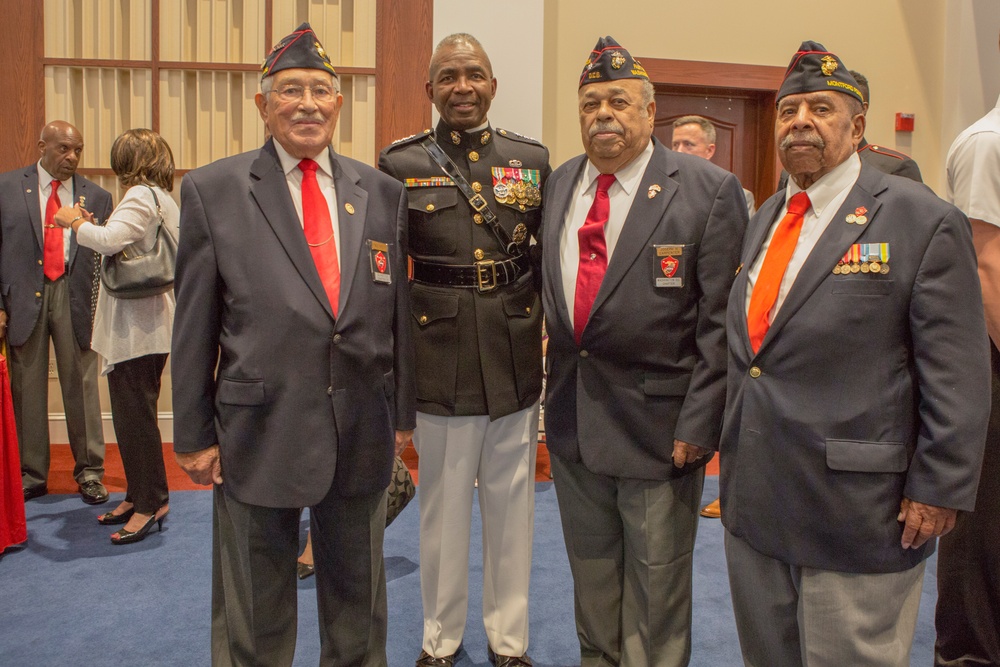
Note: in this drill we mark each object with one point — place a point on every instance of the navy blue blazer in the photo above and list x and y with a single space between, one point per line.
296 398
868 387
22 275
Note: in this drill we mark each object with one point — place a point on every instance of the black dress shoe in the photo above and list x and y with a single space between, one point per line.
507 660
305 570
35 492
93 492
427 660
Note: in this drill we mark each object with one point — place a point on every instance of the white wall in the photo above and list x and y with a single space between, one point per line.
971 64
511 33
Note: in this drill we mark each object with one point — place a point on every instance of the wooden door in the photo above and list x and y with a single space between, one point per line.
743 122
738 98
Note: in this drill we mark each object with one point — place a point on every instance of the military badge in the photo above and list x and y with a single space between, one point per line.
515 163
617 60
520 233
484 138
379 262
670 258
828 64
456 137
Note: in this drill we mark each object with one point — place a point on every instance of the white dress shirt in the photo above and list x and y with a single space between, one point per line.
826 197
620 196
324 176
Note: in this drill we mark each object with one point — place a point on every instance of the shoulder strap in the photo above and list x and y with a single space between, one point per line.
476 200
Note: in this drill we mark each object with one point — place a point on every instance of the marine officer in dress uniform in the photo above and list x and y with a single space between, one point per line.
884 159
474 205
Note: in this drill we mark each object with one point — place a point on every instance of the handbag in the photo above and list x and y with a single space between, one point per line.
129 274
401 490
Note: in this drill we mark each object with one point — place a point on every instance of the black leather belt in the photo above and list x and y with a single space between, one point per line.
484 275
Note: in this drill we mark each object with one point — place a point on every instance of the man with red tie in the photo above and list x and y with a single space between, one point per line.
640 248
46 293
858 390
293 368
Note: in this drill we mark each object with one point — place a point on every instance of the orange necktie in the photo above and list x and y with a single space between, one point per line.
52 249
765 290
319 232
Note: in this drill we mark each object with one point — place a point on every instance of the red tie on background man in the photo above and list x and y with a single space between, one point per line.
593 255
765 290
319 232
52 254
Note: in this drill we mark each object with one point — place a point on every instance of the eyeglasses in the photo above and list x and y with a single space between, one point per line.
320 93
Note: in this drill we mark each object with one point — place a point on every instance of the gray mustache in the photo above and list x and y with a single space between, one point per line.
813 139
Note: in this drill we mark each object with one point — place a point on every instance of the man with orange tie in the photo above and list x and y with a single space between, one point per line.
640 248
858 390
46 283
293 368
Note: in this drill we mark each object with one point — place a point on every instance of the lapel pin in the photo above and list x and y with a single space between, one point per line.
28 191
349 208
654 189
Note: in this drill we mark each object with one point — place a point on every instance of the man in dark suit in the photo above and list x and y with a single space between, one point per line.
640 248
292 366
46 291
477 322
858 390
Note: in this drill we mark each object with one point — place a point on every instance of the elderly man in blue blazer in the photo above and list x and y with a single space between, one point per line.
293 368
640 249
858 390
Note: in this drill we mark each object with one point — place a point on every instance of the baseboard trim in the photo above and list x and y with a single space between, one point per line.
59 434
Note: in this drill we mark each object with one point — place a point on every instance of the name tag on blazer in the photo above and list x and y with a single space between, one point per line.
670 260
378 254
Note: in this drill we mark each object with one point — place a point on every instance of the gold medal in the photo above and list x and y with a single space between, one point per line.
855 267
875 267
836 270
864 267
518 189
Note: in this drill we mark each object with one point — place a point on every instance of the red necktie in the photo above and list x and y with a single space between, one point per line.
593 255
319 232
765 290
52 253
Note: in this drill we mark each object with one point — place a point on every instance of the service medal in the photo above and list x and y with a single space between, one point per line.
500 191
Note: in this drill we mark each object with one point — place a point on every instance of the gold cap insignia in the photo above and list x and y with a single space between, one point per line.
829 65
617 60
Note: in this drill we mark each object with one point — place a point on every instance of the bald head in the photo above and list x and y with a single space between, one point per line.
458 40
60 146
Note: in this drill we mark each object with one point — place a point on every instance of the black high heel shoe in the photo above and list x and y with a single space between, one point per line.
128 537
112 519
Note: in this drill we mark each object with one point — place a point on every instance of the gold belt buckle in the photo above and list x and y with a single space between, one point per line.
478 202
486 275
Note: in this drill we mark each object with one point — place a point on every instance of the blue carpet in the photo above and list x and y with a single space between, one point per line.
69 593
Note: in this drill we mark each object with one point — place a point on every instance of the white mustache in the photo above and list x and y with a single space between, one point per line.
813 139
605 126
